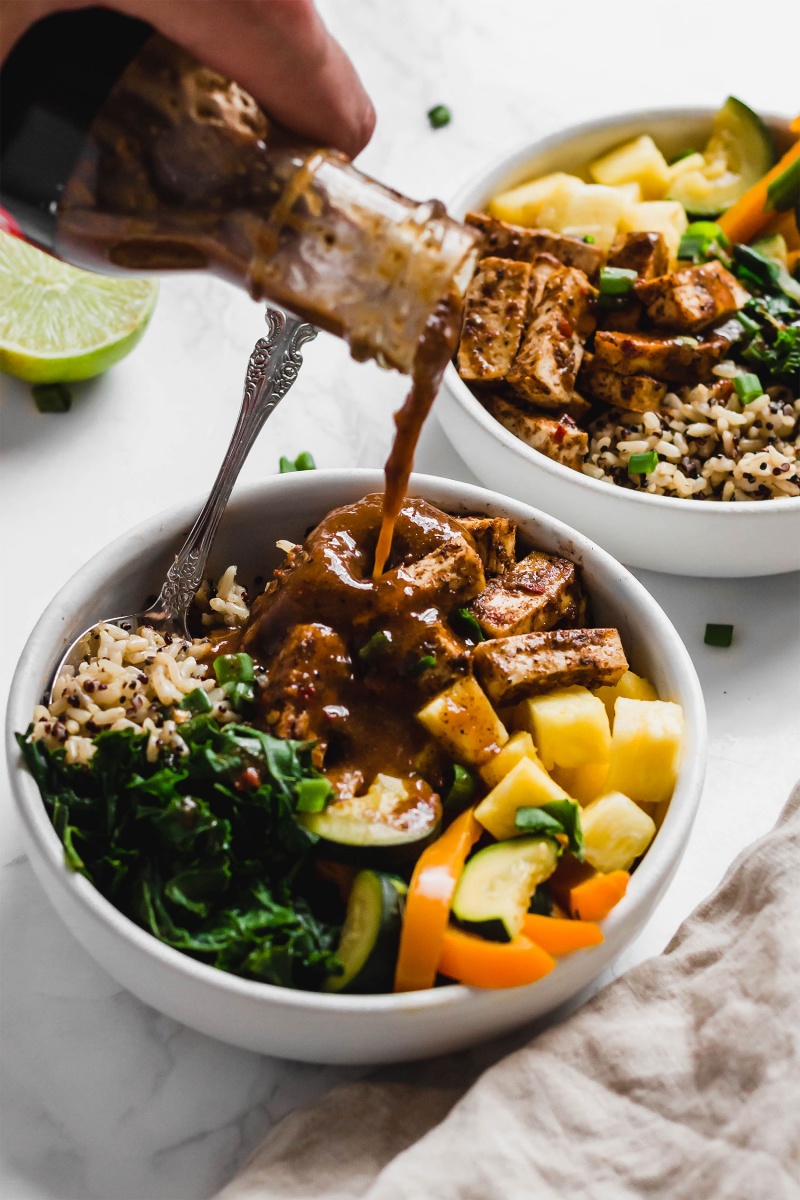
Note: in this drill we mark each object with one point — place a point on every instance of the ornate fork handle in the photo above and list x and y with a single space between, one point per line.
271 371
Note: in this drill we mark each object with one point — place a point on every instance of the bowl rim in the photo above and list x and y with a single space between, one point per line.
459 390
650 878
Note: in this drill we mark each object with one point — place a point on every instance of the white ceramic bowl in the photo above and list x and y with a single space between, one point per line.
682 537
304 1025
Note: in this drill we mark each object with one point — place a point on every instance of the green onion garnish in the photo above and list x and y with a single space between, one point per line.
783 192
234 668
196 701
589 239
241 695
616 281
700 240
464 623
748 387
439 116
752 266
52 397
312 794
678 157
376 647
718 635
423 664
750 327
462 790
303 462
643 464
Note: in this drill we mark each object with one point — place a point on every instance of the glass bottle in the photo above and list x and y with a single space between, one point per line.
120 151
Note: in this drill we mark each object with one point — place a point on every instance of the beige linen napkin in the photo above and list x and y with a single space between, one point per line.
680 1080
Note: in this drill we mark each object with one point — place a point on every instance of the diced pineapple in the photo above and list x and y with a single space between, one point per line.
667 217
464 723
692 162
645 749
570 727
552 213
615 832
584 784
631 686
520 745
521 205
595 206
639 161
526 784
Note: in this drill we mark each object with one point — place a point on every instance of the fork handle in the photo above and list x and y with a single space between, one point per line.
271 371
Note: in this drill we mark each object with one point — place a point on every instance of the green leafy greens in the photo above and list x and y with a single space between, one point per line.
203 849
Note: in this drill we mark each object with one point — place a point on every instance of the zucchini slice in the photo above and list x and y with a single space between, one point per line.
370 935
740 151
394 815
497 884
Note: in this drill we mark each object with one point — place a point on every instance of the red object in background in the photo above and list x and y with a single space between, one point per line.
8 224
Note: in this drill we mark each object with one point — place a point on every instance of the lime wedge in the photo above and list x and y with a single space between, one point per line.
59 324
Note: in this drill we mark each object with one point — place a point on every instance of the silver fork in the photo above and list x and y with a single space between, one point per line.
271 371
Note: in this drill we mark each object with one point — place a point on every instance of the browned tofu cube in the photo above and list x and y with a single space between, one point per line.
560 439
453 568
495 310
548 360
544 265
675 359
690 299
536 594
639 393
514 241
495 540
512 668
626 316
569 290
644 253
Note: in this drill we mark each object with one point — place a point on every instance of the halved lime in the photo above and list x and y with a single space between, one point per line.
59 324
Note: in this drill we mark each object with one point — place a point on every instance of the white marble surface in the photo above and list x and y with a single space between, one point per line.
104 1099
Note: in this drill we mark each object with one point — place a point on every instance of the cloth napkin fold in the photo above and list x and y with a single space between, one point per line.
680 1080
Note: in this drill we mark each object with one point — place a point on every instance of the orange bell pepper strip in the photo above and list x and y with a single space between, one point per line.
595 898
559 936
745 218
479 963
430 896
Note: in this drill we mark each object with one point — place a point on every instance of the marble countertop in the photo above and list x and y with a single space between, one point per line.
103 1098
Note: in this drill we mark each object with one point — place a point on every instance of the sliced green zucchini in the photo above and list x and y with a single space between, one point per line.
370 935
739 152
497 884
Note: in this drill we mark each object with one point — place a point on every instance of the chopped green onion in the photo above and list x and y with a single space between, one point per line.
683 154
783 192
700 240
423 664
196 701
718 635
312 794
462 790
234 668
643 464
748 387
589 239
750 265
52 397
710 230
464 623
376 647
439 116
303 462
240 695
616 281
750 327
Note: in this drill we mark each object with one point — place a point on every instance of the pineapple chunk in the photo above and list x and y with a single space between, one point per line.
569 726
593 206
667 217
692 162
463 721
631 686
615 832
526 784
521 205
639 161
520 745
645 749
584 784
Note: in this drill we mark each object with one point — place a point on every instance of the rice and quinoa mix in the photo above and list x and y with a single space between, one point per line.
710 446
137 680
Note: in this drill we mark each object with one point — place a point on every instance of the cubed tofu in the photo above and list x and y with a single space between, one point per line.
454 567
666 217
631 686
540 591
543 266
519 745
615 832
640 161
692 298
570 727
585 783
522 204
495 311
514 241
526 784
557 437
637 393
626 316
568 290
548 361
495 540
463 722
646 749
674 359
644 253
512 668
